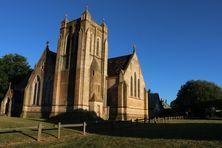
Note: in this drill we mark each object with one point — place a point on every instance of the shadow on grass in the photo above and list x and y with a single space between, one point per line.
189 131
46 133
160 131
77 116
20 132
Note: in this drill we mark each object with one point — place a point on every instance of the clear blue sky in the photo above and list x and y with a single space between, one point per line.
177 40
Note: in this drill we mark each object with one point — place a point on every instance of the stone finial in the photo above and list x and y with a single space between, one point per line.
103 23
134 48
86 15
66 18
47 45
65 21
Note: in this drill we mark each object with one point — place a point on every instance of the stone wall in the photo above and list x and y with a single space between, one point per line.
137 104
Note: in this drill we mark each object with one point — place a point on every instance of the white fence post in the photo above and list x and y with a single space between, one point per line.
59 129
84 128
39 131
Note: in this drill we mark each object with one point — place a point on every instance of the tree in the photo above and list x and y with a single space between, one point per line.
13 68
196 97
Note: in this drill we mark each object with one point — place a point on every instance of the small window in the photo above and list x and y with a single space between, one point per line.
91 40
98 46
139 88
67 53
135 79
131 86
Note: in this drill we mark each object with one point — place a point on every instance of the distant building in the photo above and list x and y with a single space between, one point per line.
80 76
166 109
155 105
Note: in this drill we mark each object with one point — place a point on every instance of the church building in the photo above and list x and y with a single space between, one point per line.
80 76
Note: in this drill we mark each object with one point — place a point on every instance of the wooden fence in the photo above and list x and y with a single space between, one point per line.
158 119
71 125
40 127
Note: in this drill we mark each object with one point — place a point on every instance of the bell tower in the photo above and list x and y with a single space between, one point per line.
81 66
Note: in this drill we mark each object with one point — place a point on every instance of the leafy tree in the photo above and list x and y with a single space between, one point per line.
13 68
149 91
196 97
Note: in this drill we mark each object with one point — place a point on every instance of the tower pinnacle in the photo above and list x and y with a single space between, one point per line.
47 45
86 15
134 48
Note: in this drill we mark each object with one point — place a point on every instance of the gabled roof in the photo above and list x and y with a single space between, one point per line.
47 53
116 64
51 54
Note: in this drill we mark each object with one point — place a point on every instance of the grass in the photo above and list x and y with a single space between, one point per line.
174 133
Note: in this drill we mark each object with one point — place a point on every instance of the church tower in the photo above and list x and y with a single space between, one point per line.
81 66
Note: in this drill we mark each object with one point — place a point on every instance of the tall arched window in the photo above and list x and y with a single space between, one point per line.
144 93
91 41
135 79
131 86
36 95
68 45
139 88
97 46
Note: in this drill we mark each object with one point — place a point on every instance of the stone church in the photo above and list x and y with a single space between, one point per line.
80 76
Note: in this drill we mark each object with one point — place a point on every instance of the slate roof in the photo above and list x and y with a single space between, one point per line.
118 63
52 55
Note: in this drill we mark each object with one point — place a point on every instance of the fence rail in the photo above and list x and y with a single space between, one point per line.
157 119
70 125
40 128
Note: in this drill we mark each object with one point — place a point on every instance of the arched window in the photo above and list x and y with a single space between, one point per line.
97 46
68 45
131 86
144 93
139 88
36 96
68 48
91 41
135 79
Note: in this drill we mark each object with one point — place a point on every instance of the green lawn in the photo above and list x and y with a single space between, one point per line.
174 133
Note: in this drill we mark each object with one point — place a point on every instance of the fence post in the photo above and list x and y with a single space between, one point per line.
59 129
39 131
84 128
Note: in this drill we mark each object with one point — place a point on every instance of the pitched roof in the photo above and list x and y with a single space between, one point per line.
52 54
118 63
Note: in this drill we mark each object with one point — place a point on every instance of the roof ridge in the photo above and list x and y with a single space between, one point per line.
116 64
120 56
